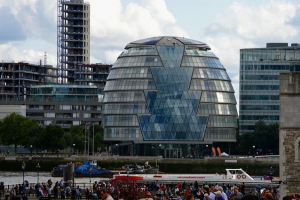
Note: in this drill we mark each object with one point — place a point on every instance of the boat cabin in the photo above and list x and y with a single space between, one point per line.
238 174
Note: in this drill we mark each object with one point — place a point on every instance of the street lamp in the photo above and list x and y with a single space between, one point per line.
38 167
30 150
253 150
207 150
117 149
74 149
23 169
159 146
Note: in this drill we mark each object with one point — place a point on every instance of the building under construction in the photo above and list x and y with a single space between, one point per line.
73 40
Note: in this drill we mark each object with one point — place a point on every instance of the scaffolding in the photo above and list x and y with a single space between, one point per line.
73 38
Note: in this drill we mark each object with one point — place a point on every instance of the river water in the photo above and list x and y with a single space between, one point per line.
12 178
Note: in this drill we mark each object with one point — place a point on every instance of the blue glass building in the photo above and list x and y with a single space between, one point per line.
168 93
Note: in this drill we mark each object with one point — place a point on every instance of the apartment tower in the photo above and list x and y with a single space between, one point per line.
73 40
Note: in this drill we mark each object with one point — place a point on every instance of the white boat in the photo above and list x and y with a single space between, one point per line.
232 175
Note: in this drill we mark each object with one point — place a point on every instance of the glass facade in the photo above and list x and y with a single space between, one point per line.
168 89
259 82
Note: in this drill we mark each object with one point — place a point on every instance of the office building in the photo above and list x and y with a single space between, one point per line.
32 90
168 93
259 82
73 39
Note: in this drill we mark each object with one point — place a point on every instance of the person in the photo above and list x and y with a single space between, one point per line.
239 195
196 185
258 188
177 195
268 196
160 194
243 186
206 197
286 198
105 195
219 196
190 197
223 193
78 192
250 197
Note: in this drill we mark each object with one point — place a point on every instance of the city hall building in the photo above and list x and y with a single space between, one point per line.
168 96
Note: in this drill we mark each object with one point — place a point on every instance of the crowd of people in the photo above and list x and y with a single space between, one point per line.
159 191
211 191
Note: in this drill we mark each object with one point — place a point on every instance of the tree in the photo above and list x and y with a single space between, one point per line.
34 137
13 129
265 137
53 138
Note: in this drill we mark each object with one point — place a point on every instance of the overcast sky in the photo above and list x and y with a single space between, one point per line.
28 28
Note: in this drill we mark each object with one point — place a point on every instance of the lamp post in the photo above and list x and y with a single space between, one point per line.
74 149
38 167
159 146
253 150
117 149
23 169
207 150
30 150
152 147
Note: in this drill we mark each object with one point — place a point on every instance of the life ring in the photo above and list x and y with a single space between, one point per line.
238 176
243 176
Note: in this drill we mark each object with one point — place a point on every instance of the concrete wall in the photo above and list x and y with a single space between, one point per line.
6 110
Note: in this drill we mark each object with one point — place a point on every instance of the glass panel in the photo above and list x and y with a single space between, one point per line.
125 109
217 109
189 61
220 133
178 80
122 133
197 84
198 52
124 84
136 96
222 121
120 120
171 55
221 97
130 73
139 51
140 61
210 73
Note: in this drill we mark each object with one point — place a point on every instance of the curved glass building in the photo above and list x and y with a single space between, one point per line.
165 94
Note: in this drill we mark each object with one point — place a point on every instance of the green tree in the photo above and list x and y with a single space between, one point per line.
53 138
265 137
13 129
34 137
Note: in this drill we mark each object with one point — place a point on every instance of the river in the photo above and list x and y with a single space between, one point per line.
12 178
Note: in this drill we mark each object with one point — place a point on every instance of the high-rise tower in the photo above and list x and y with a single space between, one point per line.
73 39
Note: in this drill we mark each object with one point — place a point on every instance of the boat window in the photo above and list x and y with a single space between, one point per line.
232 171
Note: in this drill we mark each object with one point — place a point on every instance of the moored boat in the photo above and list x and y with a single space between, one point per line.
87 169
232 175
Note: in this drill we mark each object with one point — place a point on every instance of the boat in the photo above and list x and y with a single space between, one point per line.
87 169
231 176
138 169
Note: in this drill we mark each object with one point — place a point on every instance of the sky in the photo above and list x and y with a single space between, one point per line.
28 28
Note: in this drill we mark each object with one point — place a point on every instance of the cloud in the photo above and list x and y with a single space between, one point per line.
15 31
128 23
242 26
